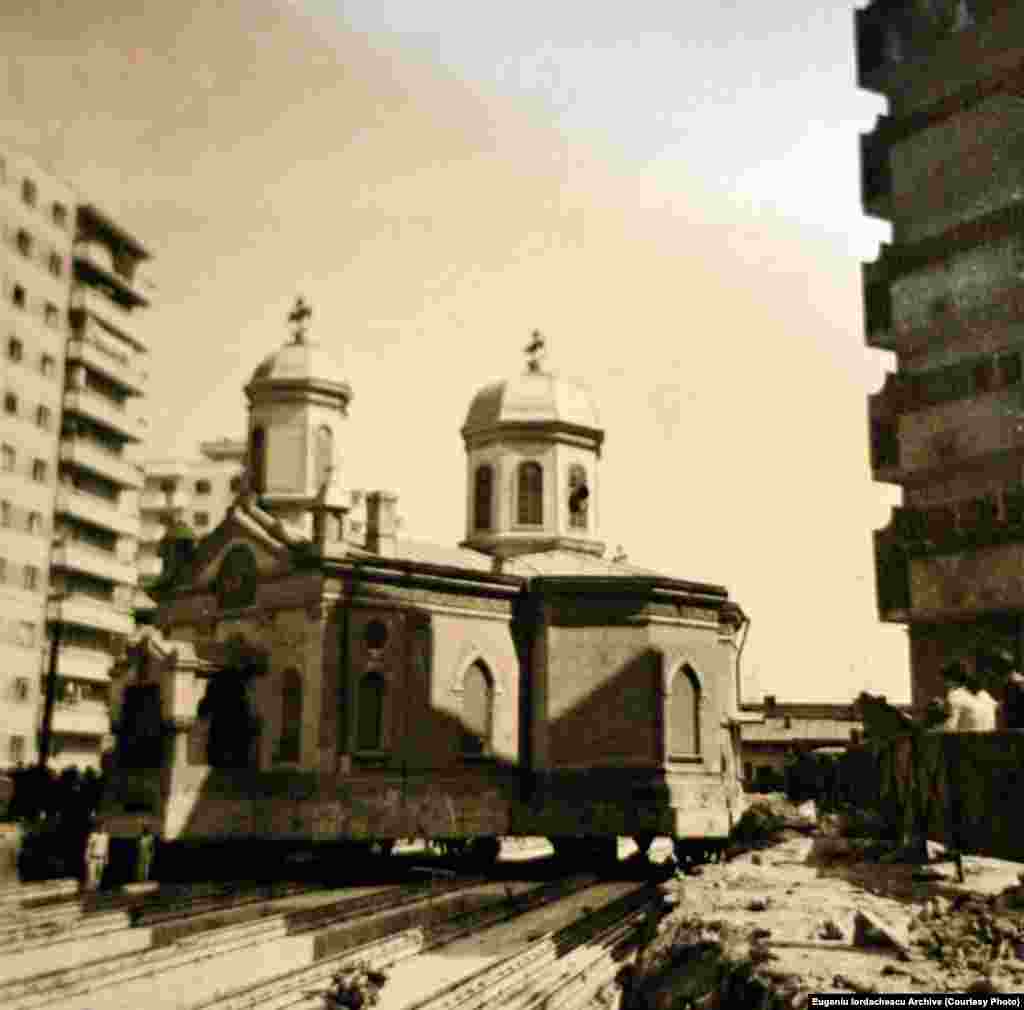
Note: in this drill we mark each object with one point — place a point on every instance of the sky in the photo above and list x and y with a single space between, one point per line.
670 196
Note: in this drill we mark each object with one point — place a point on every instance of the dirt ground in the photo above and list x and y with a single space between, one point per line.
793 909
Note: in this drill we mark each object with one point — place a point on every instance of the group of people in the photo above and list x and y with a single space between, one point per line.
97 855
969 706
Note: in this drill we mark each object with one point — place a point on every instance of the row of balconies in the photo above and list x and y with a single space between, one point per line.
98 511
91 612
91 346
80 451
977 376
93 260
979 521
106 412
90 302
77 556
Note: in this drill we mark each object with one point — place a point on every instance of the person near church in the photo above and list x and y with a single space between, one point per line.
144 858
969 707
97 851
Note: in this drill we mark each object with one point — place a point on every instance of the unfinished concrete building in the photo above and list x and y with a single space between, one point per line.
945 166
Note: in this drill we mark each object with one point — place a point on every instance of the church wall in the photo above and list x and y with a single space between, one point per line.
601 695
286 445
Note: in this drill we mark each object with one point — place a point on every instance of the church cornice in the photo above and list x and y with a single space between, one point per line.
552 431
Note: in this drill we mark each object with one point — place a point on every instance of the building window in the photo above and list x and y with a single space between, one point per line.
684 714
43 417
530 494
579 497
24 242
324 458
51 314
31 578
16 749
59 214
370 713
15 349
258 460
290 746
375 635
3 570
202 487
483 497
56 264
8 457
35 523
18 296
477 710
168 485
29 192
236 484
201 519
47 365
39 470
5 513
10 403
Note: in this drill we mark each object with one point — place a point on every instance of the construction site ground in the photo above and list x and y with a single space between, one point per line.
811 914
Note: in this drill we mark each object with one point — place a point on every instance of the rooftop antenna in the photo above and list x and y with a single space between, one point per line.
299 319
535 352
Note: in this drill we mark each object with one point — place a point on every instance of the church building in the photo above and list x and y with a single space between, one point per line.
299 684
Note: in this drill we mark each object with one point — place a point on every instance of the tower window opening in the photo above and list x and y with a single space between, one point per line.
531 494
579 497
324 462
258 460
483 498
290 746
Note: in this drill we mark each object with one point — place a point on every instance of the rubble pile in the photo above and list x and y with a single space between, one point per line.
973 934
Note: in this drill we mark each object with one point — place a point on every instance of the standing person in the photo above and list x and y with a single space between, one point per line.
144 861
958 699
97 849
980 714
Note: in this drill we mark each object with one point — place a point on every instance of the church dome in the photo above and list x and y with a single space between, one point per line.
305 362
532 398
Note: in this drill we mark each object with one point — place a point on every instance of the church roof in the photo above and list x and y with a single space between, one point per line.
533 397
566 562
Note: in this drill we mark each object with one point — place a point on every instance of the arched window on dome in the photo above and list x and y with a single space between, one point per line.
324 455
258 460
684 714
290 746
578 497
530 489
370 713
477 710
483 497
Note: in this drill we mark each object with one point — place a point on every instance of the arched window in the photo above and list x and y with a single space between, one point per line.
290 747
579 497
258 460
477 710
370 713
684 714
483 498
531 494
324 461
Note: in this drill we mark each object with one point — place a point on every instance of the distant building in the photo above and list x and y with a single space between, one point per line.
194 492
947 298
73 379
791 728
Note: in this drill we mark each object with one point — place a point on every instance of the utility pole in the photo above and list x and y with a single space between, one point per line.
50 697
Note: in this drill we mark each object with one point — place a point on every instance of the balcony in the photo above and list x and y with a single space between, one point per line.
104 411
91 613
94 262
97 511
88 455
108 313
875 171
80 557
102 355
82 718
84 664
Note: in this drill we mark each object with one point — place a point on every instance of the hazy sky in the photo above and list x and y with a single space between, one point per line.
670 195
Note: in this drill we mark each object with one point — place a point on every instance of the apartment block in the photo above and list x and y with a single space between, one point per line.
946 297
74 378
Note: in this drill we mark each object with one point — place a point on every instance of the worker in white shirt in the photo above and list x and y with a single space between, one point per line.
969 708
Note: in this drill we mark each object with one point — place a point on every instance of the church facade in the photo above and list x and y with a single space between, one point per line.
298 686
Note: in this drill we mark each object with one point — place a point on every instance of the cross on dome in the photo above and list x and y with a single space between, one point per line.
299 318
535 351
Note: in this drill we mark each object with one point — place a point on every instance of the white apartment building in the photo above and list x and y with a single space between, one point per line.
72 424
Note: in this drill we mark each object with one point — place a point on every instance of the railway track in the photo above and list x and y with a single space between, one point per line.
90 979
